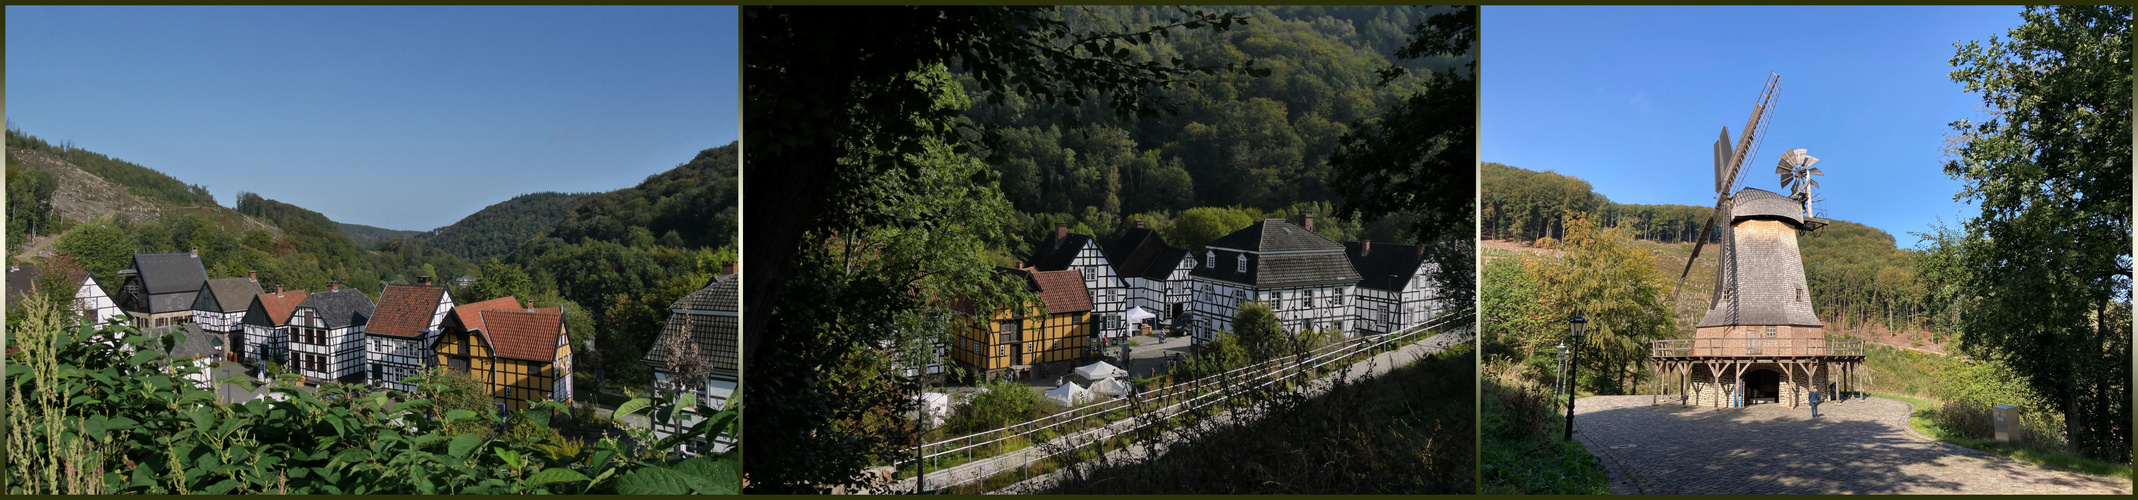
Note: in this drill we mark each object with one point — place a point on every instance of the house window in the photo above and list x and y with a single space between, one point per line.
1243 263
1276 302
1210 260
1800 294
1770 331
1002 350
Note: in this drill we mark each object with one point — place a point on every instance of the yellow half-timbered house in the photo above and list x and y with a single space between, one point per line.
521 356
1015 340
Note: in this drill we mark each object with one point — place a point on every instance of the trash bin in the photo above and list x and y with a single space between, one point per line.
2007 424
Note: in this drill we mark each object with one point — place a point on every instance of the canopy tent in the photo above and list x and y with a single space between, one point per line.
1112 387
936 406
1069 395
1099 370
1138 314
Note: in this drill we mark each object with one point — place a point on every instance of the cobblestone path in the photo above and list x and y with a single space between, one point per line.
1856 446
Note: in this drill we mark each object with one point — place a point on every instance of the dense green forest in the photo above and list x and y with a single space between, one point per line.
1236 140
691 206
498 229
29 203
1859 277
368 235
143 181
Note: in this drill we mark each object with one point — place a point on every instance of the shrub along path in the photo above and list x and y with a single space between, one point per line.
1857 446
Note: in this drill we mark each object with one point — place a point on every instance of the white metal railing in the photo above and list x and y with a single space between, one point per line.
1192 395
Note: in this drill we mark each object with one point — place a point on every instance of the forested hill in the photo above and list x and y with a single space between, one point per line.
692 206
369 235
142 181
1859 277
1236 140
498 229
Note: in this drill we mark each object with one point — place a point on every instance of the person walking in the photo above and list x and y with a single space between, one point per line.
1814 401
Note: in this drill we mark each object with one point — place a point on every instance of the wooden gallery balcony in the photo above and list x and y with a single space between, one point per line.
1824 348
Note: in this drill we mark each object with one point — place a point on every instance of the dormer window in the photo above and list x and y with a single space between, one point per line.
1243 264
1210 259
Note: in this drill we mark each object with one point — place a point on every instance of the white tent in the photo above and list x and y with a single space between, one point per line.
1069 395
1137 314
1111 387
1100 370
935 405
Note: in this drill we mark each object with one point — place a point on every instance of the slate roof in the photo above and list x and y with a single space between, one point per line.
530 335
228 294
1274 235
277 306
170 272
1142 252
340 308
718 339
405 310
1753 203
1384 259
1279 253
1056 255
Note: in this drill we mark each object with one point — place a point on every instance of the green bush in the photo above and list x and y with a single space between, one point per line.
1000 403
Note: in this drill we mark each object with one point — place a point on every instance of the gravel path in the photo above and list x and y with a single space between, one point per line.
1857 446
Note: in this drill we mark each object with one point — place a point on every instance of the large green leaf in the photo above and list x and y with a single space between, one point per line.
652 481
554 475
462 444
707 476
630 407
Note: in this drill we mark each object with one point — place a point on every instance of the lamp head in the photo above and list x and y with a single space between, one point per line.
1577 328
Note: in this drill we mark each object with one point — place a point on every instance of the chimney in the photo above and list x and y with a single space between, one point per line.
1017 265
278 290
333 286
1061 232
195 252
423 280
1365 248
727 269
252 276
1309 224
1139 223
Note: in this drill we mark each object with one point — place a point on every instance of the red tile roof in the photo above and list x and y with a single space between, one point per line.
405 310
1062 291
524 335
280 305
470 315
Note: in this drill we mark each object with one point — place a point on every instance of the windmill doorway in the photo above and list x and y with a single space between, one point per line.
1763 386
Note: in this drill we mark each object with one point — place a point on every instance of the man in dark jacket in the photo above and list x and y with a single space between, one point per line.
1814 401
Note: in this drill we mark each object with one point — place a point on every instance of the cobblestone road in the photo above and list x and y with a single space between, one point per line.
1857 446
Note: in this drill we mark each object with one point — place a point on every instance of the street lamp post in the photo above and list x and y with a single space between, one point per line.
1576 329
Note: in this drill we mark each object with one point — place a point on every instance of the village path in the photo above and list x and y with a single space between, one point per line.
1378 364
1854 447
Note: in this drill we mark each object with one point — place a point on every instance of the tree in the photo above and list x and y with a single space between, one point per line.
501 280
881 212
1260 331
1418 159
2049 255
102 248
1616 286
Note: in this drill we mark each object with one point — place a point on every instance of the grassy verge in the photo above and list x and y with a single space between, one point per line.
1524 451
1924 421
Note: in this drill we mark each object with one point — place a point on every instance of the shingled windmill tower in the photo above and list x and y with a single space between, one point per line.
1759 341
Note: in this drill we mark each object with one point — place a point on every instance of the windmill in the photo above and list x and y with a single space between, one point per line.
1759 340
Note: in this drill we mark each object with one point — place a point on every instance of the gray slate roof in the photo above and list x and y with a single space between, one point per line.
340 308
1142 252
717 337
1385 259
1305 258
165 273
1752 203
1274 235
226 295
1056 255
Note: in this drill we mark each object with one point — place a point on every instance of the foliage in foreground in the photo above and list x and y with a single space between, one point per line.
1408 431
1525 452
96 409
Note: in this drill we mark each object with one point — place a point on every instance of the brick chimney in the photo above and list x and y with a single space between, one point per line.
1061 232
1309 221
423 280
1139 223
1365 248
278 290
252 276
333 286
727 269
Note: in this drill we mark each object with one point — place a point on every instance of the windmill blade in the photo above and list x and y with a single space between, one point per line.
1814 172
1697 245
1782 169
1809 160
1813 183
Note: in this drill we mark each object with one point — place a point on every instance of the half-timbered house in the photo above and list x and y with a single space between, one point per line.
398 338
266 326
1304 277
520 355
1396 290
707 319
1154 273
326 335
219 308
1081 253
159 289
1015 339
90 301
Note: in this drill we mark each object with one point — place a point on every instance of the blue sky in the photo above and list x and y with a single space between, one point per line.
1631 99
397 117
